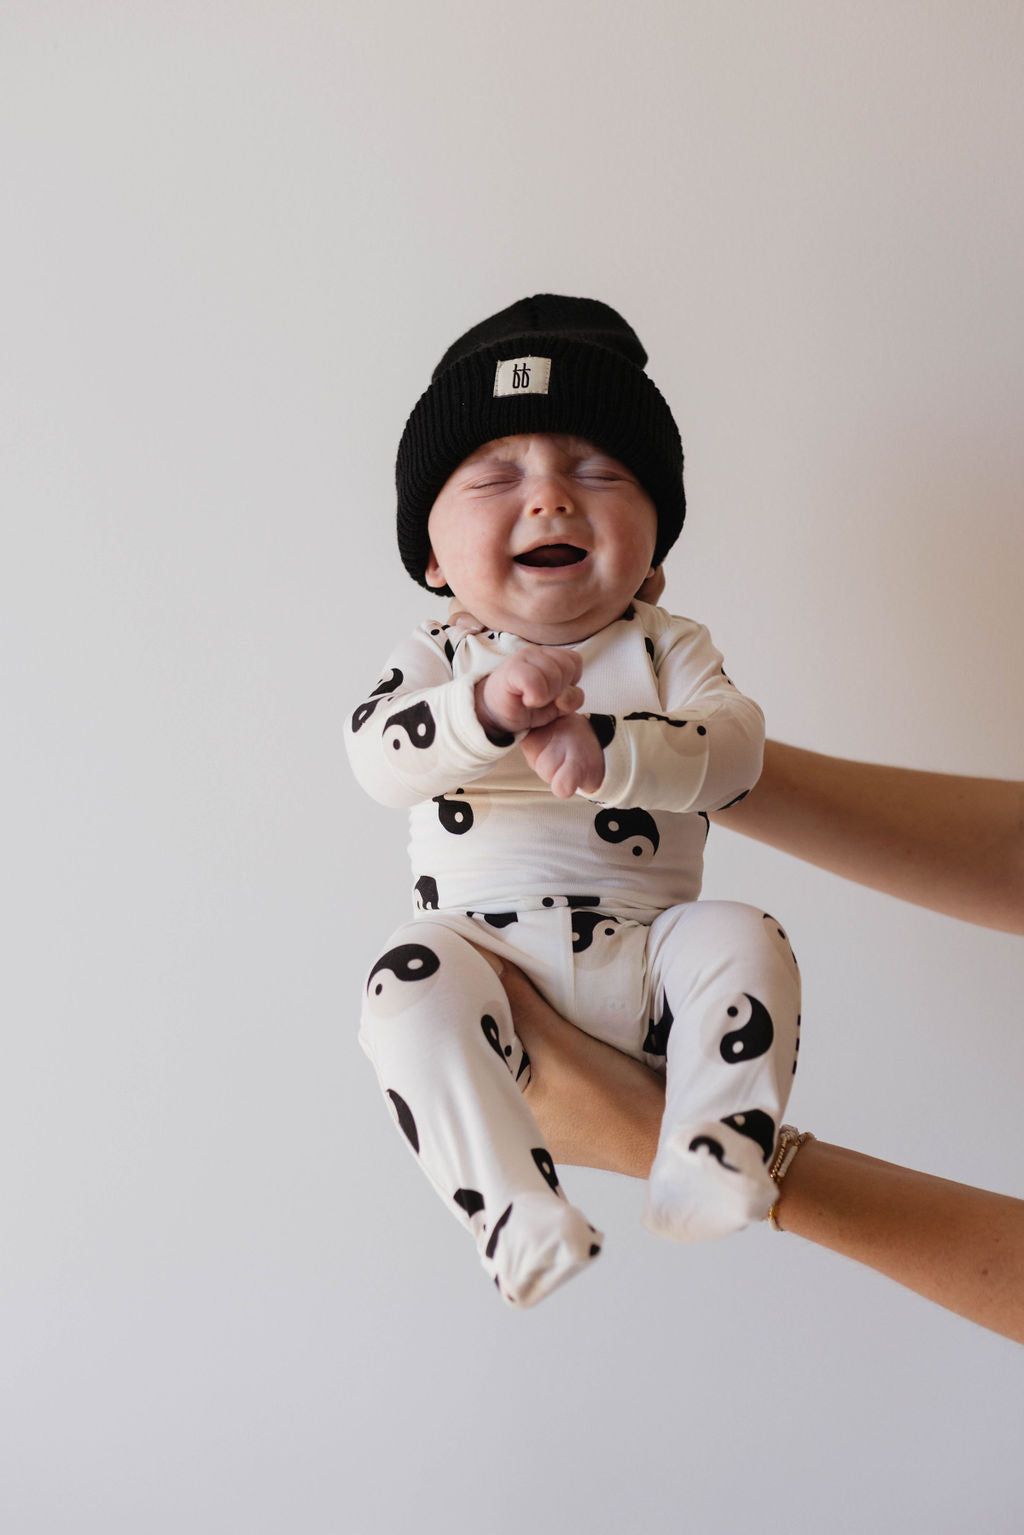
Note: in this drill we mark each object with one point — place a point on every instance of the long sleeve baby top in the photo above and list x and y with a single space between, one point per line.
487 835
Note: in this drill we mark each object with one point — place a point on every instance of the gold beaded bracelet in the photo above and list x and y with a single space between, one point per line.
790 1141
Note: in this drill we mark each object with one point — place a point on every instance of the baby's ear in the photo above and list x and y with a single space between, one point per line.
434 575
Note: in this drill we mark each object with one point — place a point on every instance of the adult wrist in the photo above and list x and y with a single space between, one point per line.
786 1151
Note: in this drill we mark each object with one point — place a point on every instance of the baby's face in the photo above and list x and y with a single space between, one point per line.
546 537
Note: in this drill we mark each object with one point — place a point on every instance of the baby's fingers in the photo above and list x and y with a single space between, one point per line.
542 676
570 700
564 667
564 781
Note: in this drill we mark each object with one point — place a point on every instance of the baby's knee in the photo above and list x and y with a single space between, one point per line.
429 971
744 929
433 999
405 975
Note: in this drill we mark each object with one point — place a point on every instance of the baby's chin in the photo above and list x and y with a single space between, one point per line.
544 631
555 617
537 628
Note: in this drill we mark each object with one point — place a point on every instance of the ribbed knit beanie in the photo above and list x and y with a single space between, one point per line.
544 364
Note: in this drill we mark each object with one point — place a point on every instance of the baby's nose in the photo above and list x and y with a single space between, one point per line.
551 497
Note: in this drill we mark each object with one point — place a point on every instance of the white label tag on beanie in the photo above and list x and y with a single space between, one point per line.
522 375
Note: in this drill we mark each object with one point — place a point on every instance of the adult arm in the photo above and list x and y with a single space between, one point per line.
959 1246
953 844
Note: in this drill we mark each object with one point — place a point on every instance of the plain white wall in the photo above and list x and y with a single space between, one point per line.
237 239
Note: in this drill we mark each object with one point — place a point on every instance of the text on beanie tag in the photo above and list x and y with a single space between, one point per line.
522 375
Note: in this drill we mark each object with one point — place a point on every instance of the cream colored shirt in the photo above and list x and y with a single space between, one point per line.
487 835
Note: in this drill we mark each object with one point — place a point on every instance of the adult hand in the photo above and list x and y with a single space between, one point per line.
654 587
958 1246
458 616
595 1106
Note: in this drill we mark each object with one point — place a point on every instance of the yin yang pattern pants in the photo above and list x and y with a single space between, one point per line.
708 993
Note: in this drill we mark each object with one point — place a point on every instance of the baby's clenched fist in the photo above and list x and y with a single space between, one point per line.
530 689
567 755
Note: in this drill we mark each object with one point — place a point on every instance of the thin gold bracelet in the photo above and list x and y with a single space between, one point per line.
790 1141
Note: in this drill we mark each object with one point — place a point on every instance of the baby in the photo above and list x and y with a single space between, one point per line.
559 766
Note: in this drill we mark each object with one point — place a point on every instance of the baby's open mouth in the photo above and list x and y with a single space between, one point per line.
552 554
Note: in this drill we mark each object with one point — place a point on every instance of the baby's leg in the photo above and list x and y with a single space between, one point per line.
437 1027
726 1015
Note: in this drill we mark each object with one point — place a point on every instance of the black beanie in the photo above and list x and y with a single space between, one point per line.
544 364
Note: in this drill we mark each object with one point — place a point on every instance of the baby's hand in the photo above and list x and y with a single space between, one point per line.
531 688
567 755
